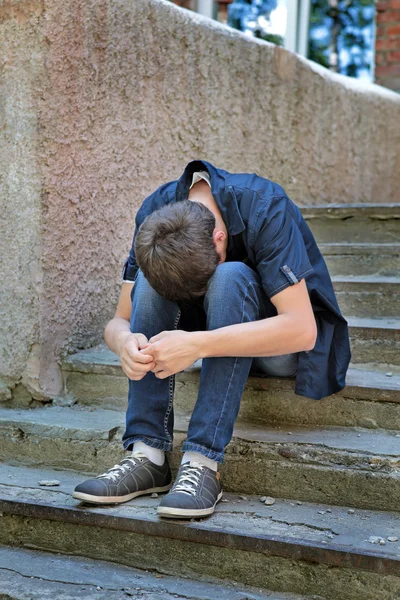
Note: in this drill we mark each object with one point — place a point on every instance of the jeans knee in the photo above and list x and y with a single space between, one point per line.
148 306
142 286
230 276
144 293
233 287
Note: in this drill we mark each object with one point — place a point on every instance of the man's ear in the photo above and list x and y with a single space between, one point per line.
218 236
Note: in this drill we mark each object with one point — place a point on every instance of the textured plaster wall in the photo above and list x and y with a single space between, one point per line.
132 90
21 71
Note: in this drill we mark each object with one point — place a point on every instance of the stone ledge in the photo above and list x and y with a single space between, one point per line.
357 467
289 536
34 575
382 211
244 516
100 360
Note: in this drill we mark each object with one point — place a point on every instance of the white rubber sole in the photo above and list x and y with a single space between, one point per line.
186 513
118 499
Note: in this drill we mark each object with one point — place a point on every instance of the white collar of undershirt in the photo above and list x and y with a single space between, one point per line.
198 176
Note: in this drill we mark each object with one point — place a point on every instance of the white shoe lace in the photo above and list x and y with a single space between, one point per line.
189 478
123 467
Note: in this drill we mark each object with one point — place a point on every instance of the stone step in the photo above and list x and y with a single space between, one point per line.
35 575
347 466
371 399
368 296
315 551
375 341
355 223
362 259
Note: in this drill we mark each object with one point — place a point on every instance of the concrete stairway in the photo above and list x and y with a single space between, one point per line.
25 575
332 466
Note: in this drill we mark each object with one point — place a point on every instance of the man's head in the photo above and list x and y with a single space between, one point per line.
178 248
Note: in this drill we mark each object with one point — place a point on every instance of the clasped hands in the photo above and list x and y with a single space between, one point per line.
164 354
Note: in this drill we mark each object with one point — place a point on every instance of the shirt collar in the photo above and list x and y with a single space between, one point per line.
223 194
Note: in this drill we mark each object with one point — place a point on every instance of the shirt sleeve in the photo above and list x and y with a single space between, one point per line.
130 268
280 254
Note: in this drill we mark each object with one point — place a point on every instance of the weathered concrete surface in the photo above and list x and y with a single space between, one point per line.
368 296
362 258
268 403
33 575
190 559
290 519
370 399
22 73
5 393
303 548
354 223
357 467
101 360
375 341
114 98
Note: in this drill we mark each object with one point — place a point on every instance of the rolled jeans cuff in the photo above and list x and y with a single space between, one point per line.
153 442
212 454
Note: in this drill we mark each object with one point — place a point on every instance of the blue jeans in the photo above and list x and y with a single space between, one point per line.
234 295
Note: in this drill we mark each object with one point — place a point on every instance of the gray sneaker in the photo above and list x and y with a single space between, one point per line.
134 476
195 493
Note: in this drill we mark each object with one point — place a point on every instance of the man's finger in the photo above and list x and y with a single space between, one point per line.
136 366
133 374
135 363
137 355
141 339
137 377
145 351
149 350
162 374
155 338
159 336
129 372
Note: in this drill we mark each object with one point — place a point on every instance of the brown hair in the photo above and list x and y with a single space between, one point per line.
175 250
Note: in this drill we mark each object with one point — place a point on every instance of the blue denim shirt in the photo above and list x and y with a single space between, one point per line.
267 231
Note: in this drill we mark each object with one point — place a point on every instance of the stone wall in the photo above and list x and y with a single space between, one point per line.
102 101
22 56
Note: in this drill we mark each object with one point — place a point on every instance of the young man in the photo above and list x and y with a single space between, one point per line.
224 268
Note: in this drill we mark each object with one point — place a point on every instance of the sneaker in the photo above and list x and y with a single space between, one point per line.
133 476
195 493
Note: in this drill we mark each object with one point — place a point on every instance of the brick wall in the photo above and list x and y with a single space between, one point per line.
387 45
184 3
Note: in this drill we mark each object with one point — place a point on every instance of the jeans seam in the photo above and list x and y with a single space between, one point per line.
233 369
170 389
